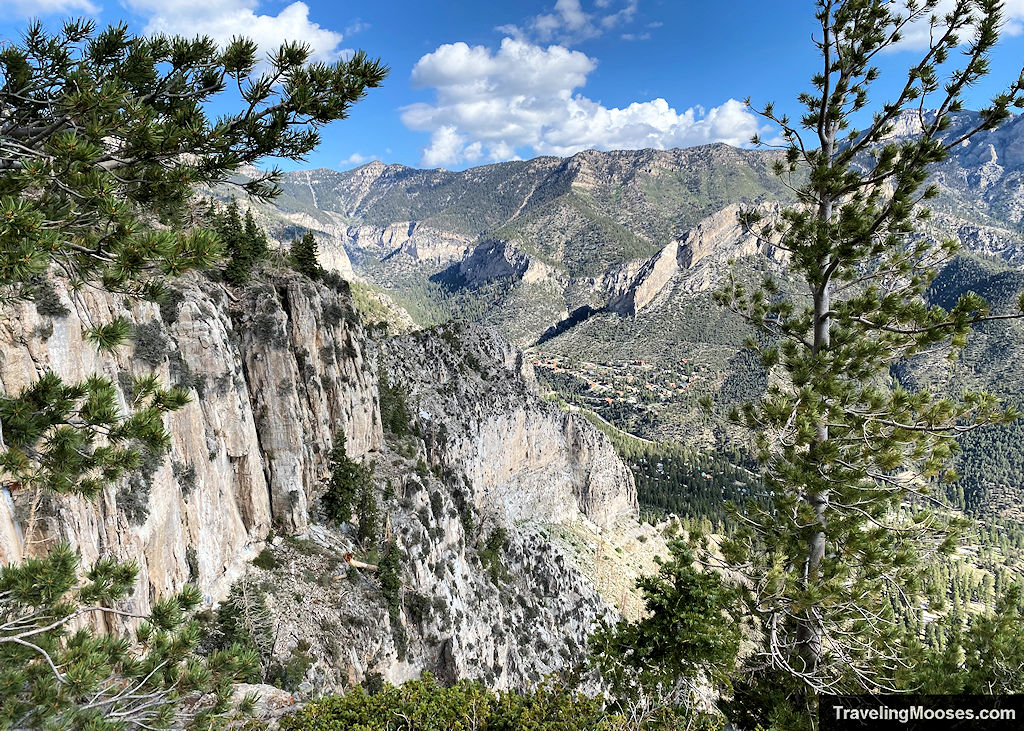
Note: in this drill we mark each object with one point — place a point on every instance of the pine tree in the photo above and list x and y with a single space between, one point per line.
349 482
72 439
244 620
303 256
689 634
257 247
389 574
847 453
368 512
245 244
101 131
55 675
228 226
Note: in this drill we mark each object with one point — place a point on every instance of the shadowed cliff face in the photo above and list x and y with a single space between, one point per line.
273 372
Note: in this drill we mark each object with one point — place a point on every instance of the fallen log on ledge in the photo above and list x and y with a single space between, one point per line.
351 560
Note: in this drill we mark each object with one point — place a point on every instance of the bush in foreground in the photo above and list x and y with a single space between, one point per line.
427 706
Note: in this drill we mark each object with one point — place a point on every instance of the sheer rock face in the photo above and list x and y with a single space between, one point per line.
418 242
268 388
485 455
306 371
533 464
274 371
481 416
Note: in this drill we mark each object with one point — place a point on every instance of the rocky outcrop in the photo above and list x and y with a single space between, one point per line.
481 417
536 464
418 242
503 260
472 496
307 376
651 278
274 371
712 242
270 378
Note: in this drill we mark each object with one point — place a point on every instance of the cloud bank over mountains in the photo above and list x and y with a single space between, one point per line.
495 105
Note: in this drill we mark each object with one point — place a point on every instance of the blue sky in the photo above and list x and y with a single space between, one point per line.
477 82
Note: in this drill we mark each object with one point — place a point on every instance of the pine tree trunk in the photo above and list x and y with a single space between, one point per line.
809 639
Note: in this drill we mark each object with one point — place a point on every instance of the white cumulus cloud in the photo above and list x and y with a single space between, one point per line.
489 105
918 34
224 19
356 159
569 21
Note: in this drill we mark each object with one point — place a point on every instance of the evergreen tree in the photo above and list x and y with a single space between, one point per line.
689 634
102 134
244 620
349 482
848 455
55 675
99 130
389 574
369 514
394 404
245 244
303 255
72 439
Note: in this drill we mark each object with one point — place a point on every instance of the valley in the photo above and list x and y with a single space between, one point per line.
602 261
635 419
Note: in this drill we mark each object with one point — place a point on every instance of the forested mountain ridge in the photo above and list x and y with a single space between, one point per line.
586 230
606 259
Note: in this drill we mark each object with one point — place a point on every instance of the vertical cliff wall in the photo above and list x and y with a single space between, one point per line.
271 377
274 371
480 413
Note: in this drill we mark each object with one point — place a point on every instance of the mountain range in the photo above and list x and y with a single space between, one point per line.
603 265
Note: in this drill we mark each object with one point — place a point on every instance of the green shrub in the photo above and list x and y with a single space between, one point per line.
150 344
47 301
185 474
421 468
192 562
266 560
490 554
291 673
170 304
437 505
394 409
425 705
133 499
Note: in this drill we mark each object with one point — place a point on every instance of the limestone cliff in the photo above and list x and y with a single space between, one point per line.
480 416
274 372
473 496
270 377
